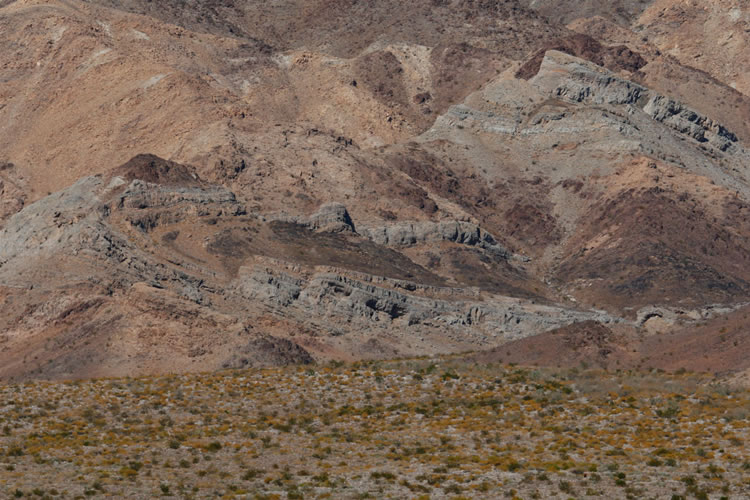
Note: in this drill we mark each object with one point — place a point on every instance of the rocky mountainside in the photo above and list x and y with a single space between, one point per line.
214 184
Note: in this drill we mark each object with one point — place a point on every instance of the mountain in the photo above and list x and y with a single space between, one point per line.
190 186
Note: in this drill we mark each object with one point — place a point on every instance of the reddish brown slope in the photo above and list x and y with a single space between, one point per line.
720 345
580 344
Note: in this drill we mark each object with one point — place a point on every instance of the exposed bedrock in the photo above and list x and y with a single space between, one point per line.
569 78
407 234
355 301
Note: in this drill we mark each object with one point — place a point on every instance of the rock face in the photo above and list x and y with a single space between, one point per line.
188 189
576 80
64 222
419 233
689 122
592 84
330 217
388 304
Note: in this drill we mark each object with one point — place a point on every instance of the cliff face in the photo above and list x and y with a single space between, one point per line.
226 184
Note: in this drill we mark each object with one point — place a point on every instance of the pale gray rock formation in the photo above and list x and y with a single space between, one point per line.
362 301
599 113
686 121
74 220
406 234
573 79
263 284
568 77
171 204
330 217
140 194
70 238
67 221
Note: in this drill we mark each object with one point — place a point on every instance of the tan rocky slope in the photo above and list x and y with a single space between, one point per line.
338 180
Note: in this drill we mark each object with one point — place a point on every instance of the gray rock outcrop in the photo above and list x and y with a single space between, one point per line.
689 122
338 299
573 79
140 195
406 234
330 217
